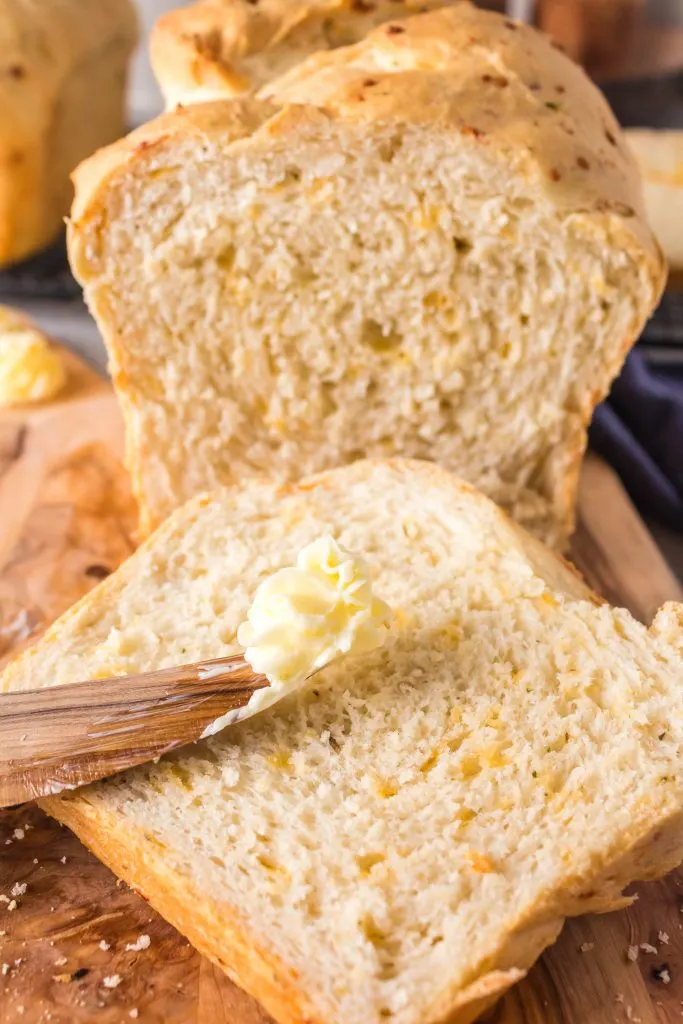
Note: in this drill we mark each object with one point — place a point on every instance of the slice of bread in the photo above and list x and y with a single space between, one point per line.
399 841
218 49
446 260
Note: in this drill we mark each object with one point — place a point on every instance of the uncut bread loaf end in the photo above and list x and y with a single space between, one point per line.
218 49
659 155
62 95
445 257
400 840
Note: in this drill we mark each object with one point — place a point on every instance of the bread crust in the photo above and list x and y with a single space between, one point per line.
659 154
538 113
224 48
61 95
216 931
653 846
214 928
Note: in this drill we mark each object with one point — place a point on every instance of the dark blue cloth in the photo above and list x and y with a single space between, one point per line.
638 430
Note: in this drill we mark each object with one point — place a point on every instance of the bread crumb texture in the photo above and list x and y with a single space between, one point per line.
417 820
429 244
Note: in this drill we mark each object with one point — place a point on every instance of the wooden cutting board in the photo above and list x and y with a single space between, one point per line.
81 947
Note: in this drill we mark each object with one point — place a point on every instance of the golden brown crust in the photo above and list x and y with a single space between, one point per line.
211 926
659 154
224 48
61 95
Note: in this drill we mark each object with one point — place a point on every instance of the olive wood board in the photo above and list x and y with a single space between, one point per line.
72 944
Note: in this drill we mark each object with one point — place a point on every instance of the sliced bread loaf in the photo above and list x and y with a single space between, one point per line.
222 48
400 840
446 260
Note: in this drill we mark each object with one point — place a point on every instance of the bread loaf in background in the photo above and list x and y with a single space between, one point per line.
401 839
660 158
62 95
431 243
222 48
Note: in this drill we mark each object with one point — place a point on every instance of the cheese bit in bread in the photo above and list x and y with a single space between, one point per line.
304 616
30 369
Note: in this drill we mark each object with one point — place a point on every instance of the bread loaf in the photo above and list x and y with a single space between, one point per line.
660 158
221 48
400 840
429 244
62 95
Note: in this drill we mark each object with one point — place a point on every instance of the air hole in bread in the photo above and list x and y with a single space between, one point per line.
226 258
367 861
388 148
380 337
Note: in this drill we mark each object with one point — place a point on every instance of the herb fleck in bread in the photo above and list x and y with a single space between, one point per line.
446 260
223 48
400 840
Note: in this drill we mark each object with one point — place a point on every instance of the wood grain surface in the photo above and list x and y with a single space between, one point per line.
75 944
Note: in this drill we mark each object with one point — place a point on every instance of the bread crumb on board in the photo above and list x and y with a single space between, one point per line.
111 981
104 946
142 942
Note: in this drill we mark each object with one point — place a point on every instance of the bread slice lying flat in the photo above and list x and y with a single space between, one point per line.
446 259
217 49
401 840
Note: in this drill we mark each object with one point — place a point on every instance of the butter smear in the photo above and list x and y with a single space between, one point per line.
303 617
30 369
